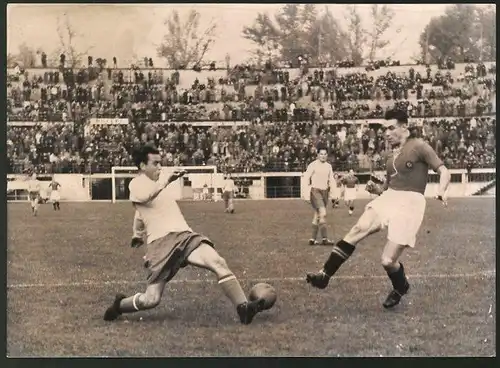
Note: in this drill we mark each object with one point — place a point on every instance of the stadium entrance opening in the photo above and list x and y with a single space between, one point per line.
283 187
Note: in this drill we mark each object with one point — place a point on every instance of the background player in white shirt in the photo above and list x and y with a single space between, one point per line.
228 194
34 193
319 175
400 207
171 244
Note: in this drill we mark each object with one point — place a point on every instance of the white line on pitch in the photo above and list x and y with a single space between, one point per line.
487 274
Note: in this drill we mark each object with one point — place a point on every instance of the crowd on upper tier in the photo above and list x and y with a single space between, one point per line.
281 113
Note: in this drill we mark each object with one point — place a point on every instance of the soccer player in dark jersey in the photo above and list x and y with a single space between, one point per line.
55 197
319 175
336 190
400 207
351 183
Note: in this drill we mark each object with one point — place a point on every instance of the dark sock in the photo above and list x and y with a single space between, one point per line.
324 231
398 278
340 253
314 231
351 208
54 205
58 206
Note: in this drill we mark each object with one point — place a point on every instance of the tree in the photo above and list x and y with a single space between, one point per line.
11 60
297 30
26 56
266 36
382 16
332 40
183 44
487 33
458 34
68 39
356 35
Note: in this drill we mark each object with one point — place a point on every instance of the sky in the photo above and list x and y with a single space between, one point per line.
124 30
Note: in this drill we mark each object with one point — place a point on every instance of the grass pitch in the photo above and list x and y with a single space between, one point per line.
65 267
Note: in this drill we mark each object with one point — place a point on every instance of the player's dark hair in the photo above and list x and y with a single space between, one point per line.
141 155
320 147
399 115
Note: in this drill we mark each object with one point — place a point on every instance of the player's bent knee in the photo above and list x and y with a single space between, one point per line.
148 300
367 224
388 262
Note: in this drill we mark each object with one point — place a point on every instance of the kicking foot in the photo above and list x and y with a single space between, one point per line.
113 312
319 280
248 310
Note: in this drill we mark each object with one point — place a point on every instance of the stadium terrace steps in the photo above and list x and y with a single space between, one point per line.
486 189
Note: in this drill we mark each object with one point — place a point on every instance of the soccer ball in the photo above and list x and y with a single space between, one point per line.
263 291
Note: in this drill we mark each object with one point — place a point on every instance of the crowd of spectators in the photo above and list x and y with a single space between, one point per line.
284 115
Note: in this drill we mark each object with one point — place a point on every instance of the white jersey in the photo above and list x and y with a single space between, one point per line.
228 185
161 215
33 186
320 175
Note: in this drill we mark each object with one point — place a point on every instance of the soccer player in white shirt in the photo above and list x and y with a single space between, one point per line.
34 193
319 175
171 243
400 207
228 195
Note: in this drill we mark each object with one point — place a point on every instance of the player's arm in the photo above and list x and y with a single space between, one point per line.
144 192
430 157
139 230
309 173
331 182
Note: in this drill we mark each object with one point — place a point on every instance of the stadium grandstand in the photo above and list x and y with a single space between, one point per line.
244 119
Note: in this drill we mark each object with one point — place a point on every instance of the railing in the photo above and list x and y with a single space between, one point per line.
73 168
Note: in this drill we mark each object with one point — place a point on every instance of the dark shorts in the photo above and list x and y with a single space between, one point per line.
33 195
319 198
226 196
165 256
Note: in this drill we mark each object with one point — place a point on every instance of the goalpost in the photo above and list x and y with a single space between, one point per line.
200 182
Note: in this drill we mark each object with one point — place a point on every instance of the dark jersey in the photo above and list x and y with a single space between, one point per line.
54 185
350 181
408 168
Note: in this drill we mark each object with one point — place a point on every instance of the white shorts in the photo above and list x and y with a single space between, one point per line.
350 194
335 193
402 212
55 196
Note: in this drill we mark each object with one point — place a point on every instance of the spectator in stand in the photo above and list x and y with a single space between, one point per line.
287 112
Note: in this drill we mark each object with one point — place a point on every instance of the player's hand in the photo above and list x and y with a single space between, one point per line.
372 187
136 242
176 175
443 199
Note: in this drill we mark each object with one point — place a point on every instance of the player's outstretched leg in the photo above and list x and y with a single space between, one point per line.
140 301
207 257
367 224
396 273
